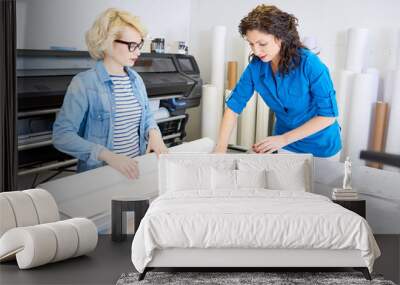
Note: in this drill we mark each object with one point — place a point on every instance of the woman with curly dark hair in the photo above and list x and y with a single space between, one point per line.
292 81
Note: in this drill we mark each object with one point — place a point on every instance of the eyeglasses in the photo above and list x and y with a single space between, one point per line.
132 46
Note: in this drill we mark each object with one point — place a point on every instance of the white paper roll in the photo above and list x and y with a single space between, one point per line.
67 239
357 41
161 113
394 46
7 218
218 72
364 95
397 49
343 94
393 133
372 71
233 137
388 85
154 105
247 123
262 119
45 205
87 235
210 116
23 207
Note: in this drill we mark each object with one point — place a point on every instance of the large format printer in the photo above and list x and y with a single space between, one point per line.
172 82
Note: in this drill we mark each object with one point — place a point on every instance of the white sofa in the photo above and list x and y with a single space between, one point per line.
31 233
73 193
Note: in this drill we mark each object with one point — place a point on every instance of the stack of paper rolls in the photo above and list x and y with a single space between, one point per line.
355 107
393 132
388 82
364 95
213 96
357 40
343 94
392 96
209 128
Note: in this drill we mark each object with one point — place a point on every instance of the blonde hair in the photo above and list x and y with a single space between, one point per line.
107 27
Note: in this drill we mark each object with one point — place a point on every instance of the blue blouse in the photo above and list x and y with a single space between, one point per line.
295 97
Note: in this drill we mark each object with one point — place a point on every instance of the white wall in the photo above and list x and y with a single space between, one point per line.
45 23
327 20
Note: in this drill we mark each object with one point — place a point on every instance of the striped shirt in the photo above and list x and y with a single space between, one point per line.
127 117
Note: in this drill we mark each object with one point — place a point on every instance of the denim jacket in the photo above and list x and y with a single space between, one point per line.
85 123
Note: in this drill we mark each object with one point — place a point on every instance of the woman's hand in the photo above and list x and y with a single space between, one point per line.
125 165
270 144
273 143
156 143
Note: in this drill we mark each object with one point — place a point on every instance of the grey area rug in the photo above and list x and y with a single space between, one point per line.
230 278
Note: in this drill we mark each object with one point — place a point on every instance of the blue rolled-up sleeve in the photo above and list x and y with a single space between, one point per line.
321 87
242 92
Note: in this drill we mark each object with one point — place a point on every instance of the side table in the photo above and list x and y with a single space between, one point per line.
122 204
357 206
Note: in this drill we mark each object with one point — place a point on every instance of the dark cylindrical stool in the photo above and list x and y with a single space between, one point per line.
120 205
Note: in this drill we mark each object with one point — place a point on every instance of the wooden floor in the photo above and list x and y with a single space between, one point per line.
111 259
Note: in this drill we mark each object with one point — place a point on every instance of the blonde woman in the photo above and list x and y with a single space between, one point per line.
105 117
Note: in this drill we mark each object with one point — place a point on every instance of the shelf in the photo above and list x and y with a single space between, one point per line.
38 113
35 145
172 136
69 162
171 119
151 98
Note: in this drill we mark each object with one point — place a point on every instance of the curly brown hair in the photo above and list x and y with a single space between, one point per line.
271 20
